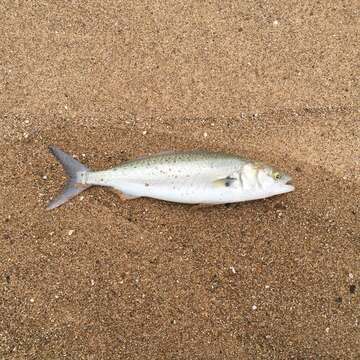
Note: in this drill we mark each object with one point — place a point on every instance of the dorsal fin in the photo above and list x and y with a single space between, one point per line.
156 154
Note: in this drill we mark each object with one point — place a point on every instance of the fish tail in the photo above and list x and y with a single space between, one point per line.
75 171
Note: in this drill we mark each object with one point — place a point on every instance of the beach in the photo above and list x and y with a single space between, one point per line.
110 81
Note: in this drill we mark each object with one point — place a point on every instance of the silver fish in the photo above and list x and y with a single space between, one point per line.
196 177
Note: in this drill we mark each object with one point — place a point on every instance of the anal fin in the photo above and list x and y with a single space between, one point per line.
123 196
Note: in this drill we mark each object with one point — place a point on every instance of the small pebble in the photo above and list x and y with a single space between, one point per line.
71 232
327 330
44 177
276 23
205 134
144 132
232 269
351 276
254 307
32 300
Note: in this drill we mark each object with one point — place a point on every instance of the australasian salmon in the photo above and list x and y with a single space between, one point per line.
193 177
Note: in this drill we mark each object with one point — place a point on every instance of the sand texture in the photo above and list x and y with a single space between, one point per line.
108 81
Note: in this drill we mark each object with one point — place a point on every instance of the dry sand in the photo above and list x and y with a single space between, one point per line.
98 279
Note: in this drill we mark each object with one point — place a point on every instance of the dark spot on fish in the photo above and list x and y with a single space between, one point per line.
101 179
229 180
146 184
338 300
352 289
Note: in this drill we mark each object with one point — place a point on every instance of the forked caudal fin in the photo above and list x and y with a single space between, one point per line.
74 169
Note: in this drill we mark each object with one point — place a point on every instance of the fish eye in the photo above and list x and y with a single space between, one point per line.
276 175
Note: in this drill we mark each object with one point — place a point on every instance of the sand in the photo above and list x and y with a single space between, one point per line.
107 81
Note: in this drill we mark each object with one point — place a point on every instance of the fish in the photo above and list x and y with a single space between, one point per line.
198 177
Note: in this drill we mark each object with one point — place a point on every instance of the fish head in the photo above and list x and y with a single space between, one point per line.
274 181
262 181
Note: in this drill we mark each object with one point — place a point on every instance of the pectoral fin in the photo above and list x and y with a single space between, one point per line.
225 182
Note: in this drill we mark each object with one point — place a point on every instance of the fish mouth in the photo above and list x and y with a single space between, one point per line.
289 185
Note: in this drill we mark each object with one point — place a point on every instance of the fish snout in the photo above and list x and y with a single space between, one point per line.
288 183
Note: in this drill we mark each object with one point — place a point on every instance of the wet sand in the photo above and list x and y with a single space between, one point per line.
100 279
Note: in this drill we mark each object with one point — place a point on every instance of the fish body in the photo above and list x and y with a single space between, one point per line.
194 177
